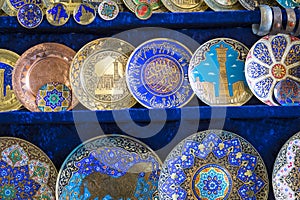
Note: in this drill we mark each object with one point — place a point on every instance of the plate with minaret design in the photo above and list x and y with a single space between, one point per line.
213 165
216 73
8 99
109 167
26 171
270 60
98 75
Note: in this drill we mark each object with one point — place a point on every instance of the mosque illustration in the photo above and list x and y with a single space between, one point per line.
208 90
9 93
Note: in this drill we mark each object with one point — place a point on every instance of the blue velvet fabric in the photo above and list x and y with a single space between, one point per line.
266 128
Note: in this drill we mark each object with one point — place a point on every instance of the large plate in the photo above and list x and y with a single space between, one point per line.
8 99
110 166
270 60
286 171
157 74
216 72
213 164
97 74
26 171
41 64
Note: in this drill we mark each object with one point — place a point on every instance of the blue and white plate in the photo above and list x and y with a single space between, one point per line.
287 92
213 165
157 74
270 60
109 167
30 15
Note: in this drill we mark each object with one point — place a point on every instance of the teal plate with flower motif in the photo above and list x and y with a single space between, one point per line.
213 165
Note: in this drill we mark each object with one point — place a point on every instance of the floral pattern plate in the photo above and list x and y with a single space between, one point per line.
109 167
286 172
213 164
26 171
270 60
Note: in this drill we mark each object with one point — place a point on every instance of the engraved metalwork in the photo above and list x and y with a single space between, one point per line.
216 72
26 171
286 171
220 5
185 5
30 16
143 11
156 74
111 166
41 64
213 164
270 60
57 14
8 99
97 75
84 13
108 10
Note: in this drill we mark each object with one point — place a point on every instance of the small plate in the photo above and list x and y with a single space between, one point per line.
97 75
8 99
157 74
224 5
84 13
57 14
289 3
287 93
41 64
30 16
270 60
110 167
213 164
26 171
143 11
216 73
108 9
286 171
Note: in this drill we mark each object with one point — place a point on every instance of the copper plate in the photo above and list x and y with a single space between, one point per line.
41 64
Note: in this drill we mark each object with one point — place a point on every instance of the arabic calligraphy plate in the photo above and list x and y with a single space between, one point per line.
157 74
26 171
97 75
216 72
270 60
213 164
286 171
289 3
8 99
41 64
109 167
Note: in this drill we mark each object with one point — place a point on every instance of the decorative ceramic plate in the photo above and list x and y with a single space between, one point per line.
108 9
185 6
213 165
30 15
157 74
270 60
84 13
286 172
57 14
41 64
26 171
252 4
109 167
287 92
97 75
224 5
8 99
131 4
289 3
216 72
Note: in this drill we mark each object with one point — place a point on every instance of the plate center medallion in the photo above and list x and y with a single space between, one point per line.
278 71
212 182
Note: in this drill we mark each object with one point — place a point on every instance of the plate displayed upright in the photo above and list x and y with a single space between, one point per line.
212 165
97 74
270 60
216 73
41 64
8 99
286 171
26 171
224 5
157 74
109 167
252 4
185 6
289 3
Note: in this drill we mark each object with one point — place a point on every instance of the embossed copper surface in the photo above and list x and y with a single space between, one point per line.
41 64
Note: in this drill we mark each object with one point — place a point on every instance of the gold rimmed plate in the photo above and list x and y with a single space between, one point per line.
41 64
185 6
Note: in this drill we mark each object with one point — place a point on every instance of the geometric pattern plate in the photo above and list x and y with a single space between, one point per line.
270 60
109 167
157 74
286 171
213 165
53 97
26 171
216 72
97 75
